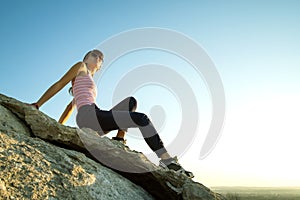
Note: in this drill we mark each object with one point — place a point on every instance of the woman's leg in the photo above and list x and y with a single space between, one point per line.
128 104
92 117
122 120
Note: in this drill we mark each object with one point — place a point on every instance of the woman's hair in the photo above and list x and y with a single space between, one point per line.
94 51
71 91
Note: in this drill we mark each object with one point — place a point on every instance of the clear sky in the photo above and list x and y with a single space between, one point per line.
255 46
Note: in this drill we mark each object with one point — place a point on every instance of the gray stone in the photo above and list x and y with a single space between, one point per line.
34 169
42 159
11 123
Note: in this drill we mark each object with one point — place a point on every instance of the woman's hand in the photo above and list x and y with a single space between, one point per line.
35 105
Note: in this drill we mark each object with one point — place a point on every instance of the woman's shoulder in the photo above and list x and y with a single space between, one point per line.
80 64
80 68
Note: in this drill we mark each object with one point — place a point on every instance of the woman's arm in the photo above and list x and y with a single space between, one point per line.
56 87
67 113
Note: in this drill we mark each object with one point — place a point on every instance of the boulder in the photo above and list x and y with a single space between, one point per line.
42 159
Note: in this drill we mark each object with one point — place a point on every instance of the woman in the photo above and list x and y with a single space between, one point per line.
121 117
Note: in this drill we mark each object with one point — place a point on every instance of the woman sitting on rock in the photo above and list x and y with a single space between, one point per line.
121 117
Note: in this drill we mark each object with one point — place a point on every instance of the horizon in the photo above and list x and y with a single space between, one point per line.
254 46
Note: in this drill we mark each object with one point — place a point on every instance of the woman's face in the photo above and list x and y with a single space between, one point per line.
95 61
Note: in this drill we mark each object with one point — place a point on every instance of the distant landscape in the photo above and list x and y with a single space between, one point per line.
259 193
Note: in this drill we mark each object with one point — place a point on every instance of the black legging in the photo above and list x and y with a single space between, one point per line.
120 117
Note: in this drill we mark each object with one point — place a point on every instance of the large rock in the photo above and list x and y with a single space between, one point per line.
40 158
34 169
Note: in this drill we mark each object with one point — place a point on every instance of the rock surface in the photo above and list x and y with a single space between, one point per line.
42 159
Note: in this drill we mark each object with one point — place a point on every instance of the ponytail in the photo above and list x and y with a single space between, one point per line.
71 91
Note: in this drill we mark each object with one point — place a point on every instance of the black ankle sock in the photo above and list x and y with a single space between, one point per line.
118 138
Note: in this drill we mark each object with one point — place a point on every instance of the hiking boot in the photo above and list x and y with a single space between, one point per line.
119 139
172 164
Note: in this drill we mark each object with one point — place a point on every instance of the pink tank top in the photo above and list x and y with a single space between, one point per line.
84 90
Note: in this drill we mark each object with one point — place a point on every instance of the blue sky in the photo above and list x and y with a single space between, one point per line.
254 45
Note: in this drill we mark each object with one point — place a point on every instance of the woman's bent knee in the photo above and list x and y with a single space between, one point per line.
132 104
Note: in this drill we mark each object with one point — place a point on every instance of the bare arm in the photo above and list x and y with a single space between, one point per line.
67 113
56 87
